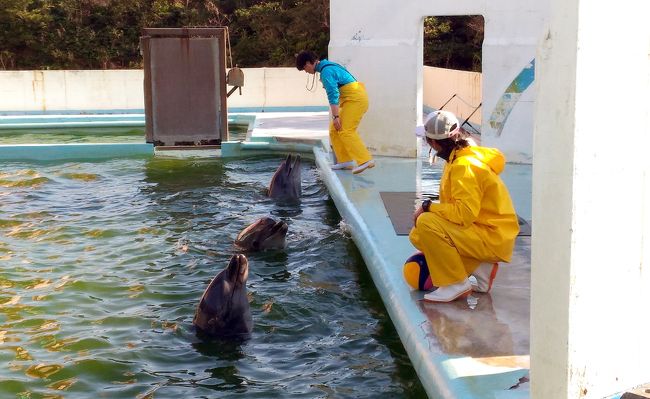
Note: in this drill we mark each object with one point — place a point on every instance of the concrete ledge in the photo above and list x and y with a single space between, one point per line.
68 125
52 152
315 108
63 121
270 145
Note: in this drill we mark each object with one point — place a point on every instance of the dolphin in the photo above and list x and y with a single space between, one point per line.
286 183
224 310
264 234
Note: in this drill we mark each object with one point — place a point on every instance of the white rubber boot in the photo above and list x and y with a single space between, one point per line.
343 165
484 275
449 293
364 166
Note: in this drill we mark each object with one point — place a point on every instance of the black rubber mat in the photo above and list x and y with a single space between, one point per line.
400 207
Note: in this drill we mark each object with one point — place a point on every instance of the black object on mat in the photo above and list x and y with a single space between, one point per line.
400 207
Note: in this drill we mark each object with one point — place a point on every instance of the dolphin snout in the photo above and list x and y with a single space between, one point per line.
280 227
286 182
238 269
264 234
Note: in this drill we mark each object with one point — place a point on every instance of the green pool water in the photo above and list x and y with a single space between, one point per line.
103 265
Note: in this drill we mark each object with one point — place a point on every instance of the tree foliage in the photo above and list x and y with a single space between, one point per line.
104 34
454 42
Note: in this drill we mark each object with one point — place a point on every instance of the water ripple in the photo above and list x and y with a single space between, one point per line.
104 262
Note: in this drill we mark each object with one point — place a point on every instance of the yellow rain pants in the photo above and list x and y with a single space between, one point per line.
347 145
474 222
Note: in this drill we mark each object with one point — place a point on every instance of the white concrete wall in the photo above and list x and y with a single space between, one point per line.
264 87
440 84
591 202
512 31
382 44
278 87
71 90
123 89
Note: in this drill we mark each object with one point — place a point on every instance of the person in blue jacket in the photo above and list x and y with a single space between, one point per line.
348 103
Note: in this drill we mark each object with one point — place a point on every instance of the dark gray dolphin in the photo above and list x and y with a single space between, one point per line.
286 182
264 234
224 310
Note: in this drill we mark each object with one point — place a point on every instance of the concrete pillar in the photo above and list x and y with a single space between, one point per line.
591 201
381 41
381 44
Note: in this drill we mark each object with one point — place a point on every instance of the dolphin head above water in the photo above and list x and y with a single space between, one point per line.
286 182
264 234
224 310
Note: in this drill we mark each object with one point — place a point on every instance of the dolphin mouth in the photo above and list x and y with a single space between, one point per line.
296 164
279 228
266 227
265 233
238 269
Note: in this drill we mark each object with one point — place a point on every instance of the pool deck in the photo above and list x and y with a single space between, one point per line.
475 348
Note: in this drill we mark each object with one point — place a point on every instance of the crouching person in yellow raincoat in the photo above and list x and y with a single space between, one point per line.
474 226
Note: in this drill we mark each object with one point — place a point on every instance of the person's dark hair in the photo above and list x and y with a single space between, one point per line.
448 145
304 57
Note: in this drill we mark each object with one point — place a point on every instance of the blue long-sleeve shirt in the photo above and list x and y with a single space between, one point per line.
333 76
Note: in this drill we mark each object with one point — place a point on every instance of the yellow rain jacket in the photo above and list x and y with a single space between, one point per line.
475 220
471 192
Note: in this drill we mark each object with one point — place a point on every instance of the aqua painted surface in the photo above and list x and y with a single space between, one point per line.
510 97
264 145
52 152
118 118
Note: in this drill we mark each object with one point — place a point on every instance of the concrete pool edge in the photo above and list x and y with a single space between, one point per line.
99 151
81 151
117 118
437 371
269 145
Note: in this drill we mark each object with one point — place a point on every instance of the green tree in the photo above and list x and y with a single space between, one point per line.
105 34
23 28
272 32
454 42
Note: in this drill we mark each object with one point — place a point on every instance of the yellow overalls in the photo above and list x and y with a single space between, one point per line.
347 145
474 222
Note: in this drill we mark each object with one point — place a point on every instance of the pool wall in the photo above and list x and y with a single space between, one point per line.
94 119
96 90
78 151
91 94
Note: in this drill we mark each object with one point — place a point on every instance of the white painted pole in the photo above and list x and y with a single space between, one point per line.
591 201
